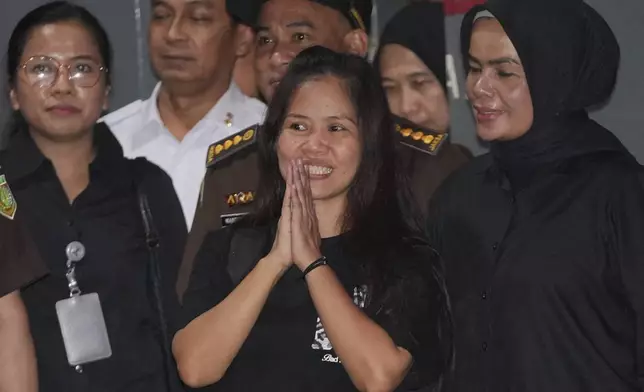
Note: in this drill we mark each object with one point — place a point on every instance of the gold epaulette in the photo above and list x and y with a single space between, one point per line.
416 137
224 148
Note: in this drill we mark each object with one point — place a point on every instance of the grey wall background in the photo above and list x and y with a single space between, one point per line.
126 21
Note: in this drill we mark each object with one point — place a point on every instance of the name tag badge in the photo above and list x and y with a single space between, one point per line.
229 219
83 328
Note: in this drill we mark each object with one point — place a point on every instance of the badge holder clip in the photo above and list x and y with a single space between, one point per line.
81 318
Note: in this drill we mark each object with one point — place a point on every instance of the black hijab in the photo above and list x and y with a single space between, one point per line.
571 58
419 27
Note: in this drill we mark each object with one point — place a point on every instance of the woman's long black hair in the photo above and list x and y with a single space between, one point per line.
380 226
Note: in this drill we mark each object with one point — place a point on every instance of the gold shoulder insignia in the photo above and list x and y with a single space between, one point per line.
416 137
224 148
8 204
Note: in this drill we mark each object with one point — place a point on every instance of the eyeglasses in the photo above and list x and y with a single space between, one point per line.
42 71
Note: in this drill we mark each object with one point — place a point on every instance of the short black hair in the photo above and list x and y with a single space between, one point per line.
244 11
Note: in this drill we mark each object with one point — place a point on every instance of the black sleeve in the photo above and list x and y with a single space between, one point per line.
435 214
20 263
626 248
171 226
420 323
210 282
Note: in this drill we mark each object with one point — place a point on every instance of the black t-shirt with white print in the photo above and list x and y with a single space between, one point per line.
288 349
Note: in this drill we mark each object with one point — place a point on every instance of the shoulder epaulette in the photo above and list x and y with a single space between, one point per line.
123 113
224 148
419 138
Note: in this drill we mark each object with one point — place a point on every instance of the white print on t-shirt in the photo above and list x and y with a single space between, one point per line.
360 296
321 340
331 358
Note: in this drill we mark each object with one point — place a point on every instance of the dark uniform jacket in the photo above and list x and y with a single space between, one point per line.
231 181
20 263
228 192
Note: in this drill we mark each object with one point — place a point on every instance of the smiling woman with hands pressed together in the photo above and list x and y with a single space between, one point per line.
329 286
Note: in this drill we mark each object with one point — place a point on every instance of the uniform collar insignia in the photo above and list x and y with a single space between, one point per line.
224 148
419 138
229 119
8 204
240 198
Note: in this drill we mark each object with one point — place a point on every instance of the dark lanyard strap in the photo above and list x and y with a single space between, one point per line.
152 242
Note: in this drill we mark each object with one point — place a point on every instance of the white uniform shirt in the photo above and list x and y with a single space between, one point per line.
141 132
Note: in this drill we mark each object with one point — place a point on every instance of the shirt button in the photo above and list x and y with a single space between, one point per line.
70 223
495 246
484 346
484 295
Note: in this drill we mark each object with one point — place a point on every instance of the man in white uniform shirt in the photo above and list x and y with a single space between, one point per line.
193 47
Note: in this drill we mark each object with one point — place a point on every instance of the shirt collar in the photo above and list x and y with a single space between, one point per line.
23 157
152 126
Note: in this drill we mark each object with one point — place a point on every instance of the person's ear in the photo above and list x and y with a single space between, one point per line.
244 40
13 98
356 42
106 98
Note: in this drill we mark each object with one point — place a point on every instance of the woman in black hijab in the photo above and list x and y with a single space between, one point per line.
547 295
411 64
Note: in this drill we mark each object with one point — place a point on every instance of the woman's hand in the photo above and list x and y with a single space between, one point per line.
305 237
281 251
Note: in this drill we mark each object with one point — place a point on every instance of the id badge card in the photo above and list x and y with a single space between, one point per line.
83 328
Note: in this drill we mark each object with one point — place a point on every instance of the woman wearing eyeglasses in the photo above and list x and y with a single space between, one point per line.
98 320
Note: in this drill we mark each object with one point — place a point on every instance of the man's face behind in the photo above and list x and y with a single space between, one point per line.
286 27
189 40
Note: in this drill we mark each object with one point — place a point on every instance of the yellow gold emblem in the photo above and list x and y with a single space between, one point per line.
406 132
249 134
231 201
428 139
218 149
240 198
8 204
237 139
417 135
227 144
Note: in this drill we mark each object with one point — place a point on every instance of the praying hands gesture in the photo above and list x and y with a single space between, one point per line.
298 238
207 346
